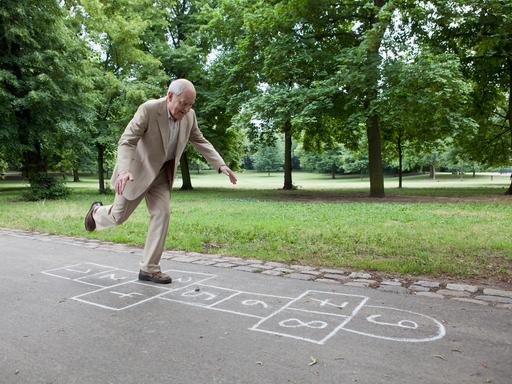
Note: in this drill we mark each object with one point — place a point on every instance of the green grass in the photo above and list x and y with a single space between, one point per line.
463 230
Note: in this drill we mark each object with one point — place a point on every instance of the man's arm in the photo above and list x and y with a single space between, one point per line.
127 145
208 151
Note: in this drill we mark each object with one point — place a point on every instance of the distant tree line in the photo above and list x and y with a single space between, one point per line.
347 83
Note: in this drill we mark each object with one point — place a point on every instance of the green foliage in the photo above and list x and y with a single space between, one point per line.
426 77
479 32
46 187
42 87
424 100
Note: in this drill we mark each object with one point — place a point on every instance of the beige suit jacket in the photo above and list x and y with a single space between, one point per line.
142 147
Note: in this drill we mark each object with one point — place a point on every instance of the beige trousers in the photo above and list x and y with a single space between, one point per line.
157 201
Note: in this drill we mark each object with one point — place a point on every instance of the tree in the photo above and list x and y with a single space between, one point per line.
269 158
423 100
329 160
123 72
479 32
288 46
42 87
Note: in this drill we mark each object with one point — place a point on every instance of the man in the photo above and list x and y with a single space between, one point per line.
147 159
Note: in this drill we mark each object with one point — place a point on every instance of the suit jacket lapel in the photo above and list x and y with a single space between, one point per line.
163 124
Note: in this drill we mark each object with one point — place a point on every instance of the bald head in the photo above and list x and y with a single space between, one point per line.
178 86
180 98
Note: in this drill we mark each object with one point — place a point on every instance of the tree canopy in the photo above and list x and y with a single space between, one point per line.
393 81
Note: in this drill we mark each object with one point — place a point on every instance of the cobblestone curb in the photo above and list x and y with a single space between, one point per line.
426 288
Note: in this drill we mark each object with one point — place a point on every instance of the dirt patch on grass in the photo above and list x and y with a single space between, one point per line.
443 212
328 197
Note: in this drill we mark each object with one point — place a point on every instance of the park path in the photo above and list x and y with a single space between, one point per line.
74 312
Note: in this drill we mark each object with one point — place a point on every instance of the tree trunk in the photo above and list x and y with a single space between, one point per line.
333 171
185 173
101 172
433 171
33 162
288 156
373 43
400 154
375 157
76 178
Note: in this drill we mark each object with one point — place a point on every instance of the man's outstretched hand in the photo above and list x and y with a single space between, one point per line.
229 173
121 182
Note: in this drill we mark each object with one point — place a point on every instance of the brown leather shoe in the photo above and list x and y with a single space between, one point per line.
155 277
90 224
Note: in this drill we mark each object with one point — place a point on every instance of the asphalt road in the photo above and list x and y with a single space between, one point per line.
72 314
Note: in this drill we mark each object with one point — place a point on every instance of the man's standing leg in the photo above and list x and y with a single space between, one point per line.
157 200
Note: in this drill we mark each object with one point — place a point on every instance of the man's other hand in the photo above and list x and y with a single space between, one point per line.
228 172
121 182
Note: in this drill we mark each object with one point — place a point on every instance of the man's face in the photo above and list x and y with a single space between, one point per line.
180 105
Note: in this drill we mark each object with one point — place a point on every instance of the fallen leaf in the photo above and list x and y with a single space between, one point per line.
439 357
259 363
313 360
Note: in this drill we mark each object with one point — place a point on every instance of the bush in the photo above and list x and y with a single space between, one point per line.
43 186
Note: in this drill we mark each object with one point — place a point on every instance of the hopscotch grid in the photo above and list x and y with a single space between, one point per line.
354 312
288 306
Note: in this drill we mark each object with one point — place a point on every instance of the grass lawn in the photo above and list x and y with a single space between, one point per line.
450 226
